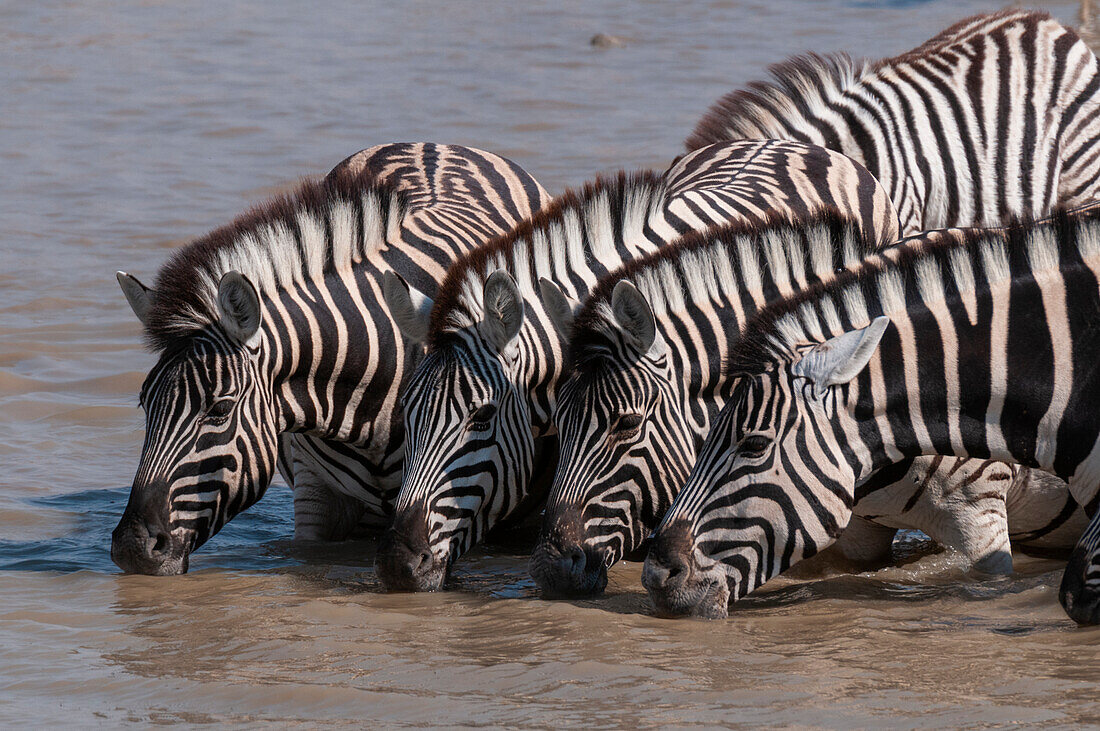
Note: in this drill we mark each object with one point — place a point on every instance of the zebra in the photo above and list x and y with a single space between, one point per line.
646 355
981 344
997 116
481 442
274 324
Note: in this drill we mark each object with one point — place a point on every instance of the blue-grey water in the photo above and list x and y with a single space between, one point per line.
129 128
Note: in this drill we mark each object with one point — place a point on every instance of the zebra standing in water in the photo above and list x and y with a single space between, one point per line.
478 408
275 324
983 343
647 351
997 116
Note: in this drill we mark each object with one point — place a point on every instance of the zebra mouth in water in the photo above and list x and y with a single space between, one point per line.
676 582
706 597
140 548
569 571
1080 589
404 567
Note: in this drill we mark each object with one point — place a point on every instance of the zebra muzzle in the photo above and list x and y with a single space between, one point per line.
139 546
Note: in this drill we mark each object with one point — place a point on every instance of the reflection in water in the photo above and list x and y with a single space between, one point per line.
131 127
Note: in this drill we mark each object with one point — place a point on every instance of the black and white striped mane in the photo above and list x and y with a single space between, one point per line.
943 264
575 226
322 226
703 264
804 87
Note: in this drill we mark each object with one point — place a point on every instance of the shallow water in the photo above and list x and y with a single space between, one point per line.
129 128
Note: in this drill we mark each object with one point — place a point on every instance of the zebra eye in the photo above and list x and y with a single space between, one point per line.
480 418
754 445
628 423
220 409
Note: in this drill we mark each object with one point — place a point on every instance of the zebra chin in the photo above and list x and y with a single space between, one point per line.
1080 589
138 547
677 584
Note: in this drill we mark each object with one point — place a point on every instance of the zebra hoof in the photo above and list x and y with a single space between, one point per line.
1080 590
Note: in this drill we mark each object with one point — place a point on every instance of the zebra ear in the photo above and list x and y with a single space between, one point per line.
410 308
634 315
561 307
137 294
840 359
239 305
503 310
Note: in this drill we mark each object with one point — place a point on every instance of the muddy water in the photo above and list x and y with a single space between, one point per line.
128 128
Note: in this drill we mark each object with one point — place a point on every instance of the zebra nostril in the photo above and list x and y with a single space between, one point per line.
424 562
160 544
577 559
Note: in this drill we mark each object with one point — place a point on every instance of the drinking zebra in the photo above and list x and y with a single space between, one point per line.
978 343
481 442
999 115
275 324
646 360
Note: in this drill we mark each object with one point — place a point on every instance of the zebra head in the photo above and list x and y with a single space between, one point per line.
774 482
469 448
620 433
210 434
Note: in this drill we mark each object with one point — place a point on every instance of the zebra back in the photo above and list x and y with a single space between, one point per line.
994 117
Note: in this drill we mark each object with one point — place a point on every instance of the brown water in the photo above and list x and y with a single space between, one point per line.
128 128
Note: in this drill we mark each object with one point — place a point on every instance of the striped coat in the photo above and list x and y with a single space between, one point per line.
274 324
481 443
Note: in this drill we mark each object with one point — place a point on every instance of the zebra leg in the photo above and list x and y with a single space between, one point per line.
321 513
958 503
1042 515
1080 589
963 507
866 544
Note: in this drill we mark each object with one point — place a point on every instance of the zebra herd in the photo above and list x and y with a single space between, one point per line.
724 368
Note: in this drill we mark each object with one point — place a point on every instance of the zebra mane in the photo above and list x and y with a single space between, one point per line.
723 262
934 266
575 227
322 226
803 88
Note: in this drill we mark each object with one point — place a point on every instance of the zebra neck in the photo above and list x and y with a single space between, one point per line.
699 346
538 367
331 364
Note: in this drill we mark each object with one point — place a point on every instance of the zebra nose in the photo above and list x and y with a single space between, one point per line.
158 542
142 547
567 569
407 563
669 561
